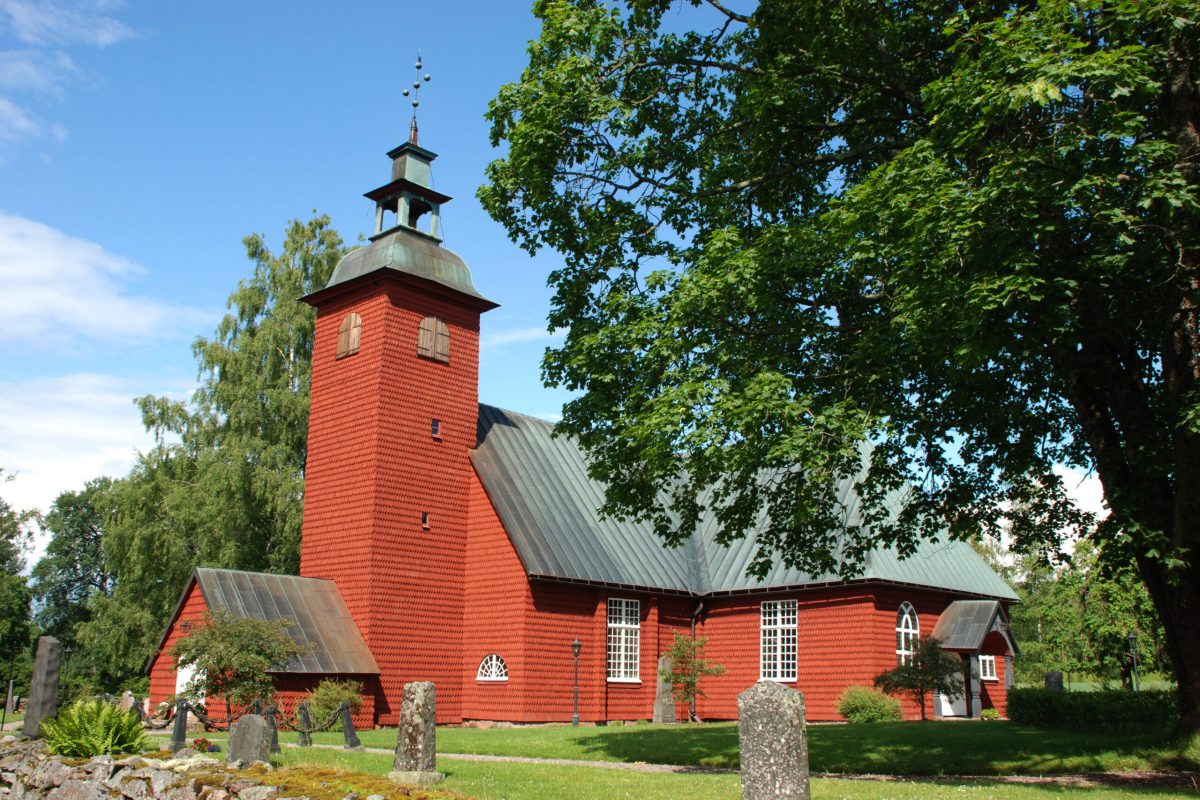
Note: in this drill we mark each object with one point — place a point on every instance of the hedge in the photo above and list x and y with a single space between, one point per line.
1116 711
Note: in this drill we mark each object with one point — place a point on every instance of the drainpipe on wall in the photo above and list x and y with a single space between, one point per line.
692 700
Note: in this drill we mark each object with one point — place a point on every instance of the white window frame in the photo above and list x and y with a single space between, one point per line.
987 668
908 631
492 668
779 641
624 640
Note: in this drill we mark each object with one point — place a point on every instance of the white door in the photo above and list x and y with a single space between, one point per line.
945 707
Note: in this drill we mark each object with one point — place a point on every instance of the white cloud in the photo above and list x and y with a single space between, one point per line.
520 335
1084 489
57 433
35 71
59 288
40 67
63 22
17 123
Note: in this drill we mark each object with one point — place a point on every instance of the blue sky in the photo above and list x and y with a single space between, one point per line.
141 140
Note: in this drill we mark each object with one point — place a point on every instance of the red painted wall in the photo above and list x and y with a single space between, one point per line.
162 669
374 467
994 694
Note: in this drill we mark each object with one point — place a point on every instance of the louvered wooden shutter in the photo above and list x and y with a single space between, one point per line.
433 339
349 335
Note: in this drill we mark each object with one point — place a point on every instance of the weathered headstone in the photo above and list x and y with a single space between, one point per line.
773 743
43 690
249 740
664 700
416 741
1053 680
127 700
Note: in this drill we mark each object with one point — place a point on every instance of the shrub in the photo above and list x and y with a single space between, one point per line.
89 728
1113 711
989 713
329 694
864 704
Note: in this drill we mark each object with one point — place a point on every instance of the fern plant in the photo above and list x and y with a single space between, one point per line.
92 727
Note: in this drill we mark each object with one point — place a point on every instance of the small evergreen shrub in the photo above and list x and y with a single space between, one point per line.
329 694
989 713
89 728
1111 711
864 704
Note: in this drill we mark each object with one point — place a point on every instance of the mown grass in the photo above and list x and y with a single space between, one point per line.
903 748
507 781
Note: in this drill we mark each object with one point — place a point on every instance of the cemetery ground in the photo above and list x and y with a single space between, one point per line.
919 753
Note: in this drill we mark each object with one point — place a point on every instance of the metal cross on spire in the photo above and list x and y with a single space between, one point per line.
416 91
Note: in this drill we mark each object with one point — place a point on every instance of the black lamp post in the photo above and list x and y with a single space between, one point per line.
575 648
1131 639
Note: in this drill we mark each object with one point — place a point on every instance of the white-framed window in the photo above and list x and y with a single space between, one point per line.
777 637
492 668
987 668
908 631
624 639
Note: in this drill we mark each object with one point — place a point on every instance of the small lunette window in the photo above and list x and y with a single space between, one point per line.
433 340
492 668
349 335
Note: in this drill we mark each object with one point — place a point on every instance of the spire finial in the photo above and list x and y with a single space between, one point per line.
416 90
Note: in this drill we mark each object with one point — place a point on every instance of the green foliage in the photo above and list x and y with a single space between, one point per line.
688 667
329 695
864 704
929 669
989 714
89 728
72 568
233 656
15 598
224 486
966 234
1112 711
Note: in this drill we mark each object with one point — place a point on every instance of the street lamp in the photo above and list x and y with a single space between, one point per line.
1131 640
575 648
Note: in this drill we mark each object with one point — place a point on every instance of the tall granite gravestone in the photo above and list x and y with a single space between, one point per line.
664 700
43 691
249 740
1053 680
773 744
416 741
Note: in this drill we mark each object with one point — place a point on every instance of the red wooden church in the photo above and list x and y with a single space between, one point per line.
454 542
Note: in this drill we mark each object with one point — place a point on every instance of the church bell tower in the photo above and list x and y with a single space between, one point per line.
393 417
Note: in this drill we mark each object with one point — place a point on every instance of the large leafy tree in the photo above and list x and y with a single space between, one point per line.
14 591
73 567
933 248
224 486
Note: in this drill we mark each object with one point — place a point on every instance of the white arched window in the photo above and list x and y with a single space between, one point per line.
492 668
908 630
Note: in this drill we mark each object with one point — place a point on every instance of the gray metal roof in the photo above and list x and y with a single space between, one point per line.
548 504
321 618
965 623
412 253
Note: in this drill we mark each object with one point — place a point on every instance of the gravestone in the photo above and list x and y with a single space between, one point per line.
43 690
772 742
416 741
664 700
249 740
127 700
1053 680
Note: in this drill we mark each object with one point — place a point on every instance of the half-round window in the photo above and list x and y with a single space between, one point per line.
349 334
433 340
908 630
492 668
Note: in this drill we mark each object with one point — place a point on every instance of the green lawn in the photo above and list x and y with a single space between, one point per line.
905 748
498 781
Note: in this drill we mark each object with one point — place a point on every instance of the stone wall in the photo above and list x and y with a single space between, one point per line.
29 772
